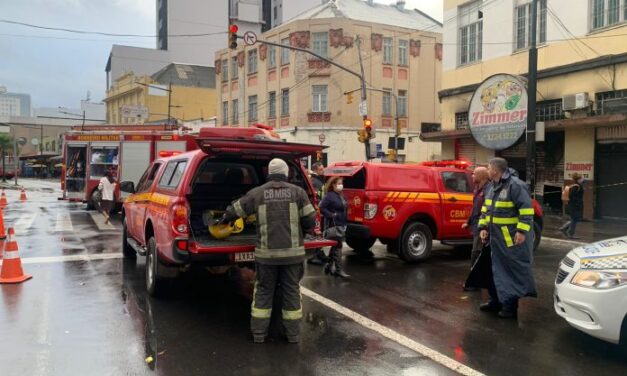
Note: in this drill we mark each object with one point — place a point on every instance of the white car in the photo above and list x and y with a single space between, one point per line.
591 289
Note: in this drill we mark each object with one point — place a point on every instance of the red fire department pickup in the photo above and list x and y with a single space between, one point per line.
167 215
406 206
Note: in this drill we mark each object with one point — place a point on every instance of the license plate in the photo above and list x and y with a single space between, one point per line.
245 257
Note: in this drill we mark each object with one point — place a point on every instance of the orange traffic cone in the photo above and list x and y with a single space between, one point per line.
23 195
3 234
12 265
3 199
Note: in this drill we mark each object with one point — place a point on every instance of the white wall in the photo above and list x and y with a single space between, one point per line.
498 26
141 61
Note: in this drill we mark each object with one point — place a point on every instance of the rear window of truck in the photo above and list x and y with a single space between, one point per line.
173 173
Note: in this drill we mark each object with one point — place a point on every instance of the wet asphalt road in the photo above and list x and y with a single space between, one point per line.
93 317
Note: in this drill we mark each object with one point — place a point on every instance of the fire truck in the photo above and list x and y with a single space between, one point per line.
124 150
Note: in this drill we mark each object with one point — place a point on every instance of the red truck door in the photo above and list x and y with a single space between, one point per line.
138 203
456 194
354 188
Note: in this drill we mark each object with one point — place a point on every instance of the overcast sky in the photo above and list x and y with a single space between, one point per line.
59 68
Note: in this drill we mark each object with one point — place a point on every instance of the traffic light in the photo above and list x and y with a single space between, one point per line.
368 128
349 98
233 36
362 136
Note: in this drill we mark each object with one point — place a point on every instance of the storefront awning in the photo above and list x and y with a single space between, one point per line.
445 135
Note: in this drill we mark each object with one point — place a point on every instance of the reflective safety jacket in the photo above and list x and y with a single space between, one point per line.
283 213
508 209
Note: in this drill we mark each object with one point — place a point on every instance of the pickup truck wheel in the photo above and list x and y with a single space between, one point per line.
359 244
416 242
128 251
154 282
537 232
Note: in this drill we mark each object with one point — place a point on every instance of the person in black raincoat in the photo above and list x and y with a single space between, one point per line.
507 226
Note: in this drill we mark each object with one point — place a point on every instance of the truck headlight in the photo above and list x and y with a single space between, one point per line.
600 279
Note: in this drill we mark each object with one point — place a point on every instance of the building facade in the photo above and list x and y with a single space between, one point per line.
581 91
192 96
14 104
304 97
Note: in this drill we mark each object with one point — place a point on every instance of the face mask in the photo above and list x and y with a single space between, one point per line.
339 187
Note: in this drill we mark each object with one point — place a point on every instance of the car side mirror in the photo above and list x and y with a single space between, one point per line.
127 186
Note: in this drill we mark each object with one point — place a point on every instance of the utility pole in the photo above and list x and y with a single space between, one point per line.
531 101
363 92
169 100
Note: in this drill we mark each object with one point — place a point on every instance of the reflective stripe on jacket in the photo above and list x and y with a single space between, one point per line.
284 214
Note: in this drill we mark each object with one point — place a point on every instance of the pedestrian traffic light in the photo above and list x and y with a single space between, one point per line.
349 98
233 36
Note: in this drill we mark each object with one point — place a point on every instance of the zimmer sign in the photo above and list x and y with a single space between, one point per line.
498 112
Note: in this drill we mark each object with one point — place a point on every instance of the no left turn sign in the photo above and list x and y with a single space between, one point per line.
250 38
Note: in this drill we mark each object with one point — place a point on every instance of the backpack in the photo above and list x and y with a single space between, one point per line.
566 193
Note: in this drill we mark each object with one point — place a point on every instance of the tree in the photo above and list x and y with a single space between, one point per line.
6 142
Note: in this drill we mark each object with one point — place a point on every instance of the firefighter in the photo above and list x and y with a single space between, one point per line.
317 180
284 214
507 225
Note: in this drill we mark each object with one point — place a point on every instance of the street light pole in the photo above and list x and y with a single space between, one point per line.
531 103
169 100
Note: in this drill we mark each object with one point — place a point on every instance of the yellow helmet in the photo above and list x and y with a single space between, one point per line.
223 231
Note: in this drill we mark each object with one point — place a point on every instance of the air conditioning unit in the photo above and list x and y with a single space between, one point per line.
575 101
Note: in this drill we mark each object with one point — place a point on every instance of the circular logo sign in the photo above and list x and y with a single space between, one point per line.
389 213
498 112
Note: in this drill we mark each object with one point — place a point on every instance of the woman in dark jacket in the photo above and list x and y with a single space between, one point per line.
333 208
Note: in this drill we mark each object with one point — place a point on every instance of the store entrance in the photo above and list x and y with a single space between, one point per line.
611 179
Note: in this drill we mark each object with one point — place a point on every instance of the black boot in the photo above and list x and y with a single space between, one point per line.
336 257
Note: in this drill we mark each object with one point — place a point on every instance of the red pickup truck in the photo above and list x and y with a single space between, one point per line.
167 215
406 206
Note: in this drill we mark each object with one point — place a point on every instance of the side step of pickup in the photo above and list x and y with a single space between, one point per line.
457 242
136 246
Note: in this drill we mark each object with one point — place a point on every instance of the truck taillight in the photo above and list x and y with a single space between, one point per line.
180 218
370 210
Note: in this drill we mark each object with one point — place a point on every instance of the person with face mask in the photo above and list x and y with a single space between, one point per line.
333 208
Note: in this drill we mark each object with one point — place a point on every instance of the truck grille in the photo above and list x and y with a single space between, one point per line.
561 276
568 262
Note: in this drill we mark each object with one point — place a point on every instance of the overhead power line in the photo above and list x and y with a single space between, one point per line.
104 33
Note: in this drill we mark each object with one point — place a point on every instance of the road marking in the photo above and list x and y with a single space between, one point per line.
64 223
24 223
565 241
393 335
83 257
99 220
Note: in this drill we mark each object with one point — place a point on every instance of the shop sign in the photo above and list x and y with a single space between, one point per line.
498 112
98 138
585 169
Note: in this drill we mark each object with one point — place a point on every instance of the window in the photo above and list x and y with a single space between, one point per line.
456 182
235 110
387 50
234 67
461 120
387 103
252 108
271 57
285 102
285 53
470 33
607 12
172 175
225 112
103 159
272 104
320 43
402 103
148 178
252 61
225 70
523 24
402 52
319 95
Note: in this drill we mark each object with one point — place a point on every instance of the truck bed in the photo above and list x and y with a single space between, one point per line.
206 240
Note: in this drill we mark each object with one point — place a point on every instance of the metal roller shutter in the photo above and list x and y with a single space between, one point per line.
465 149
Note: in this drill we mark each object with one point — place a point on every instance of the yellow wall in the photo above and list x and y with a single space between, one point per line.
194 102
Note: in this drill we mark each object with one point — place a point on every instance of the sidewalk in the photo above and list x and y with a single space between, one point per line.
587 232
